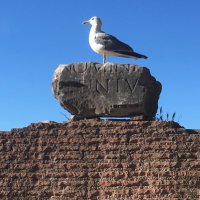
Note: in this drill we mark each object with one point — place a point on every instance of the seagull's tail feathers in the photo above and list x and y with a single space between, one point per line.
130 54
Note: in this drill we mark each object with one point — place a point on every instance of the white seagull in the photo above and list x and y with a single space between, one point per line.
108 45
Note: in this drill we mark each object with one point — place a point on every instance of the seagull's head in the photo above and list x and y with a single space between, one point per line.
93 21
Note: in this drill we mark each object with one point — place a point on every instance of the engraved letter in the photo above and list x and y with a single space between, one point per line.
131 86
102 88
78 69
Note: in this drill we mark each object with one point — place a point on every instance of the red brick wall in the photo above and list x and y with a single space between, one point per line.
104 160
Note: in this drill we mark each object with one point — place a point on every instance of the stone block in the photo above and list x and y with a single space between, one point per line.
106 90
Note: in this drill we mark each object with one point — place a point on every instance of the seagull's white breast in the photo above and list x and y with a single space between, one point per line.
98 48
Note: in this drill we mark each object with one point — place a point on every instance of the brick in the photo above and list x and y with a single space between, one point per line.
97 159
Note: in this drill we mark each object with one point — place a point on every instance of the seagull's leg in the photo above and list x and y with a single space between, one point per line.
104 59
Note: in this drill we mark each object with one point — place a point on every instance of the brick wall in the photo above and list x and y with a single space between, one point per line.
104 160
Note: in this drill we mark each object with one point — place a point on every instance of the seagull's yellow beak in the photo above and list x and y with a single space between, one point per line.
86 22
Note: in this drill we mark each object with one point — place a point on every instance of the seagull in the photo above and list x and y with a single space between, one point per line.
108 45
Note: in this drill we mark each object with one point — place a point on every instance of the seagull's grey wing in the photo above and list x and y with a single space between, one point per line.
111 43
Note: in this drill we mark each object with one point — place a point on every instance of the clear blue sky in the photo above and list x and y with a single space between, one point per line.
38 35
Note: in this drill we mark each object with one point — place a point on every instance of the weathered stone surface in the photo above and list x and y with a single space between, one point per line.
118 90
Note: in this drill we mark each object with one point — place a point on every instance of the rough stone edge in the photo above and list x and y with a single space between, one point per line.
103 122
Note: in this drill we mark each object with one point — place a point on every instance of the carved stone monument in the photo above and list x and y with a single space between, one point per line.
112 90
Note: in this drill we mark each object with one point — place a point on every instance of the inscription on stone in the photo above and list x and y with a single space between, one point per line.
92 89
